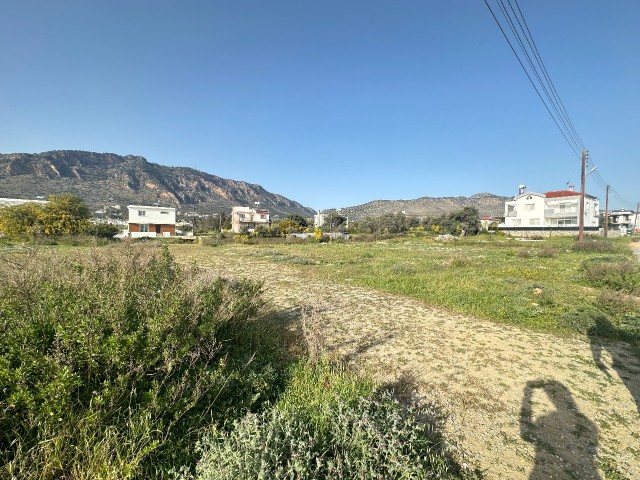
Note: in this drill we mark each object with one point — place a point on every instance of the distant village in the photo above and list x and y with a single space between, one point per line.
529 213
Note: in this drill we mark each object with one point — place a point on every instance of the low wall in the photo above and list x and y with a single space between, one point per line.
547 231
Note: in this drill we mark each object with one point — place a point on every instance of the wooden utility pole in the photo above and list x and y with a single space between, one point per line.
583 178
606 214
637 222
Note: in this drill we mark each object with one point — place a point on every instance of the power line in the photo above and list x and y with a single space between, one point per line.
546 73
576 151
521 33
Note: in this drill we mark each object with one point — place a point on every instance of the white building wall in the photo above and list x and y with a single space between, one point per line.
246 217
154 215
526 210
532 209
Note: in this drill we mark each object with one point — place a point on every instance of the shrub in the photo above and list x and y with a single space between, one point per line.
110 365
617 273
548 252
584 319
593 245
523 253
376 438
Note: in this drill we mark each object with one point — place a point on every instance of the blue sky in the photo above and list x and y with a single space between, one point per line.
332 103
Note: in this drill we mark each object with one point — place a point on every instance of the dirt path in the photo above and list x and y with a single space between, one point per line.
635 247
522 404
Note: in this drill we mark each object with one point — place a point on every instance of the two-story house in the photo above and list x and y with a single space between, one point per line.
147 221
247 218
556 210
625 220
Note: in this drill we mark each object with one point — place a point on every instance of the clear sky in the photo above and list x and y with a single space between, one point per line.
330 103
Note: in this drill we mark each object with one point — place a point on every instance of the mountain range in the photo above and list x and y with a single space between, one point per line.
103 179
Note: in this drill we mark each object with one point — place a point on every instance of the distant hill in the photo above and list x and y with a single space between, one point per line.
105 178
486 203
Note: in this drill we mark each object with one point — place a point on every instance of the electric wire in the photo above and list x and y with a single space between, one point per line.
529 36
530 79
539 70
553 97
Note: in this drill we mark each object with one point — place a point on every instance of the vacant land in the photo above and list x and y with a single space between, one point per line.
486 329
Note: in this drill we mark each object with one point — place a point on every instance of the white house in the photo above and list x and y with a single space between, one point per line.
246 218
625 220
147 221
556 210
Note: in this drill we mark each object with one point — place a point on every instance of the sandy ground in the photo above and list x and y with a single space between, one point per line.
521 404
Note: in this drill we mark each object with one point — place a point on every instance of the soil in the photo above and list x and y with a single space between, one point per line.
519 403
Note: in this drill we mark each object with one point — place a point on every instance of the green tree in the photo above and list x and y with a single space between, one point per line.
25 219
64 214
102 230
301 221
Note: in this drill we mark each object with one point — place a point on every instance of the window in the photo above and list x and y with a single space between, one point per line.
142 213
241 216
566 207
144 227
534 221
566 222
263 217
164 213
517 221
529 206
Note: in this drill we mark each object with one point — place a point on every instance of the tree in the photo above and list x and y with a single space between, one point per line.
102 230
25 219
64 214
463 222
301 221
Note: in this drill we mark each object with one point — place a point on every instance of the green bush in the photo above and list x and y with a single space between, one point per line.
111 364
586 320
375 439
329 423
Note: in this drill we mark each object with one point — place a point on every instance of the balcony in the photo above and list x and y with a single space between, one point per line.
551 213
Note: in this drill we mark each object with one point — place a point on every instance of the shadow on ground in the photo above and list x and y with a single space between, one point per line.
565 440
622 362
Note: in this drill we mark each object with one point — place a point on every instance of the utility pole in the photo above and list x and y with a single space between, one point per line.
583 178
637 222
606 214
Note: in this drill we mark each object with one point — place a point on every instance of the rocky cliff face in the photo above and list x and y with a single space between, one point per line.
106 178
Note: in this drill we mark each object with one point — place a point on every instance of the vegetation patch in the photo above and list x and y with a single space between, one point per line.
614 272
329 424
111 363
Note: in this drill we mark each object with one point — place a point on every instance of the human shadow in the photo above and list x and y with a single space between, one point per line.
622 362
566 441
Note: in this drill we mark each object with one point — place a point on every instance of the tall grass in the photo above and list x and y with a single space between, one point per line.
111 363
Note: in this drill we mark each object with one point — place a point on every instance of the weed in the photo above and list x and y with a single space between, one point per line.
111 361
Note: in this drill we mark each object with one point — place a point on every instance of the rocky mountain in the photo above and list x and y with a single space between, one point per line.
486 203
105 179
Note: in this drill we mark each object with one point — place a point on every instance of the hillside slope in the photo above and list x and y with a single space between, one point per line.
105 178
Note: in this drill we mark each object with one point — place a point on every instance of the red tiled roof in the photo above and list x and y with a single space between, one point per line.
561 193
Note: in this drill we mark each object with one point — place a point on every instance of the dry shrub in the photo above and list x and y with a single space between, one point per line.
547 252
